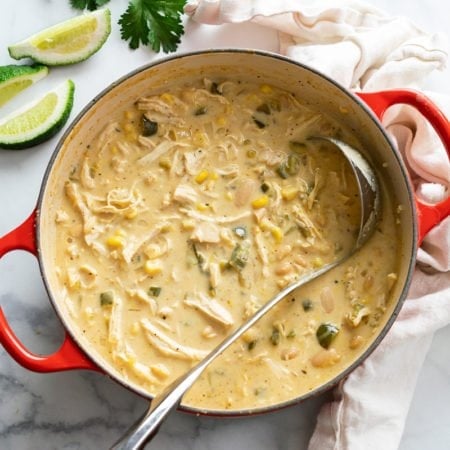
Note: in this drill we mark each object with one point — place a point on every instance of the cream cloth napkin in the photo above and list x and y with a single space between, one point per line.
364 49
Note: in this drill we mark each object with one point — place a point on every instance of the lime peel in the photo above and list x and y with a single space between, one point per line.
68 42
14 79
39 120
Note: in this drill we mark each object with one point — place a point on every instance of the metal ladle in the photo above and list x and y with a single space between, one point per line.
147 426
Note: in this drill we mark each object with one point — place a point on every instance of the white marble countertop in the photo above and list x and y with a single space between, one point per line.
81 410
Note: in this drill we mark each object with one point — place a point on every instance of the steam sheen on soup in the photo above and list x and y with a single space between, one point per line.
193 208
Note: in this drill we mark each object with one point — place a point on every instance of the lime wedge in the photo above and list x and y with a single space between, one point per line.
67 42
39 120
14 79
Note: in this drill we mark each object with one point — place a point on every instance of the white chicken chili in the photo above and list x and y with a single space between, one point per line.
193 207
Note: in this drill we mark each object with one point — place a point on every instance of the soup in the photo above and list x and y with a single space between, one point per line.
194 206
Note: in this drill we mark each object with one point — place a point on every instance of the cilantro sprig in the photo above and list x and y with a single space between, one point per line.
154 23
91 5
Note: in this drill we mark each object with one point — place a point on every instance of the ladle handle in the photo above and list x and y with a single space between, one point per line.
68 356
428 215
148 425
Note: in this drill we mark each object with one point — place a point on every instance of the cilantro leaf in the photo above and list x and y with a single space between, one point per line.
156 23
91 5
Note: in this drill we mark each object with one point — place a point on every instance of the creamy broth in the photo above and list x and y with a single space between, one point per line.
192 208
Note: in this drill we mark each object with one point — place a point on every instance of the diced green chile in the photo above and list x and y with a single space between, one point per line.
265 187
200 111
289 167
106 298
307 304
149 128
239 255
282 170
263 108
154 291
252 344
214 88
292 164
258 122
275 336
326 334
296 146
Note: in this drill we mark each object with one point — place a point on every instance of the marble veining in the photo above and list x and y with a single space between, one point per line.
84 410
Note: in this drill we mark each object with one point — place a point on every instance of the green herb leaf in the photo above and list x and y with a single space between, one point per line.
91 5
156 23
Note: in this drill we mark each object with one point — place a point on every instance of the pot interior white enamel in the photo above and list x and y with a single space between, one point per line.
313 90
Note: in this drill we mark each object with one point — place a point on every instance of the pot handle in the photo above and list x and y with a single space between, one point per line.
68 356
428 215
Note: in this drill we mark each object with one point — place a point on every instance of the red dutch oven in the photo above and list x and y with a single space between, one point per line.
366 113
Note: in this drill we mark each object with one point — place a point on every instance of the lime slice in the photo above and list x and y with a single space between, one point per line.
39 120
14 79
67 42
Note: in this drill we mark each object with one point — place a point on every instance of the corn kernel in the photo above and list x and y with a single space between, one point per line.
289 192
317 262
129 115
135 328
260 202
160 370
128 127
131 136
167 227
165 163
214 176
265 89
200 138
201 176
152 267
265 224
201 206
168 98
130 359
188 224
131 214
277 233
172 135
253 98
115 241
221 121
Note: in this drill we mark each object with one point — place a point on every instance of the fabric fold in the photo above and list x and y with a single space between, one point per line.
365 49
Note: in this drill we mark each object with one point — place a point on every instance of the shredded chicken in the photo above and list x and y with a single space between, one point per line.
211 308
216 219
164 148
193 161
92 229
185 193
168 346
206 232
